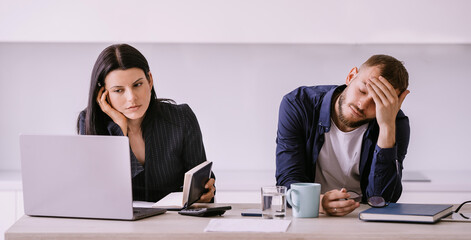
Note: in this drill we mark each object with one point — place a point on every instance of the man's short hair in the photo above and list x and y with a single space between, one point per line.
391 69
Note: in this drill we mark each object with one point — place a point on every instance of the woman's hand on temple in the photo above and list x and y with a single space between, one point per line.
117 117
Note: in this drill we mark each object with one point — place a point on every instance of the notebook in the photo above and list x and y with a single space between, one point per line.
193 187
407 212
79 177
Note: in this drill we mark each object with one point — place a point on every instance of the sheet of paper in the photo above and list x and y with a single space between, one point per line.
247 225
173 199
142 204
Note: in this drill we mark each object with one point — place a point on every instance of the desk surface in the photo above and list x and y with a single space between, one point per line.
174 226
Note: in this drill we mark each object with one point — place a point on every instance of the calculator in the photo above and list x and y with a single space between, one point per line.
205 212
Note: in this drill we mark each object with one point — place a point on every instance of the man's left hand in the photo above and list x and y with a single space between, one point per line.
387 104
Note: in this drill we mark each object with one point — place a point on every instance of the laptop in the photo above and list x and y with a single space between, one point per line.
79 176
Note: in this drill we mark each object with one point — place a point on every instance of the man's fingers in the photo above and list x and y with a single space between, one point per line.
336 195
341 208
387 86
384 90
342 211
372 91
334 203
342 203
375 85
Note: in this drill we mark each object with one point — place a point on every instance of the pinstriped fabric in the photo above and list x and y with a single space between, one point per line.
174 145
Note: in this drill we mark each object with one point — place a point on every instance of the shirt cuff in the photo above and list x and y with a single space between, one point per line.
385 154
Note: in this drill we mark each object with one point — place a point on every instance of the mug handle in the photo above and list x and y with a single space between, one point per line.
288 197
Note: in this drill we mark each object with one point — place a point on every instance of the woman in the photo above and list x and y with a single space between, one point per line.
165 138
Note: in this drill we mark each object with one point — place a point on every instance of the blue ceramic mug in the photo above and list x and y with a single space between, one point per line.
304 199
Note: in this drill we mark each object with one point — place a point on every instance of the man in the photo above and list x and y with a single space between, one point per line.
348 137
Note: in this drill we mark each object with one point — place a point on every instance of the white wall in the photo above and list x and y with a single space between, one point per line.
235 91
236 62
236 21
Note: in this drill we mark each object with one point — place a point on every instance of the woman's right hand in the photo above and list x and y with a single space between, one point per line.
115 115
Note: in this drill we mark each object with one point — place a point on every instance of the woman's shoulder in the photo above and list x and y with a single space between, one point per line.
81 122
82 115
175 113
175 110
170 106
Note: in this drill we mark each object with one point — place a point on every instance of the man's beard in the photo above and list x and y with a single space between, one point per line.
344 120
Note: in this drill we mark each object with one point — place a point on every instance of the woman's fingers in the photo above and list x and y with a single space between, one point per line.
115 115
211 189
210 183
98 97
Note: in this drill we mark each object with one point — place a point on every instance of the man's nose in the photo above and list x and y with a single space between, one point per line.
365 102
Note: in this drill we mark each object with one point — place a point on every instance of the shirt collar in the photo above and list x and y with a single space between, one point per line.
324 117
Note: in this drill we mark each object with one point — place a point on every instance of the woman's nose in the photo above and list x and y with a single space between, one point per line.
130 96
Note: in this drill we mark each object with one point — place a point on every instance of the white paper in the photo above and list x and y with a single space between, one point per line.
247 225
142 204
173 199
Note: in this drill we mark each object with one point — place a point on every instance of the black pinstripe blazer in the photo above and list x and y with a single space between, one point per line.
173 145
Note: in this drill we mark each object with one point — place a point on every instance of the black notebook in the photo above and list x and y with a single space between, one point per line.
407 212
193 188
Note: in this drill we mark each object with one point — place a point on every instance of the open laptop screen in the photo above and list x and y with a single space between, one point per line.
76 176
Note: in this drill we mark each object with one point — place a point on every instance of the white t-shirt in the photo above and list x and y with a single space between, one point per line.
338 163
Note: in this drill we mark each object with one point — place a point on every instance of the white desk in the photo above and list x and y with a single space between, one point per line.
445 187
174 226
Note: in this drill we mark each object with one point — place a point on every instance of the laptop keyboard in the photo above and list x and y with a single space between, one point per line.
146 212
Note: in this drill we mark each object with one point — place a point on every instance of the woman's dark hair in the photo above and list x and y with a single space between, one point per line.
117 56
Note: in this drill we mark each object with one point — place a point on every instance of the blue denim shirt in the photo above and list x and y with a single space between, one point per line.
304 117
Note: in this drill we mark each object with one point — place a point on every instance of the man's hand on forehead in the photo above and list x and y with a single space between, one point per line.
387 106
386 83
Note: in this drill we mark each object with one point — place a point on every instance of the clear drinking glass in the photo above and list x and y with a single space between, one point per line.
274 202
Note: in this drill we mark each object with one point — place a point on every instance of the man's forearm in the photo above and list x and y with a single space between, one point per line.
387 136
